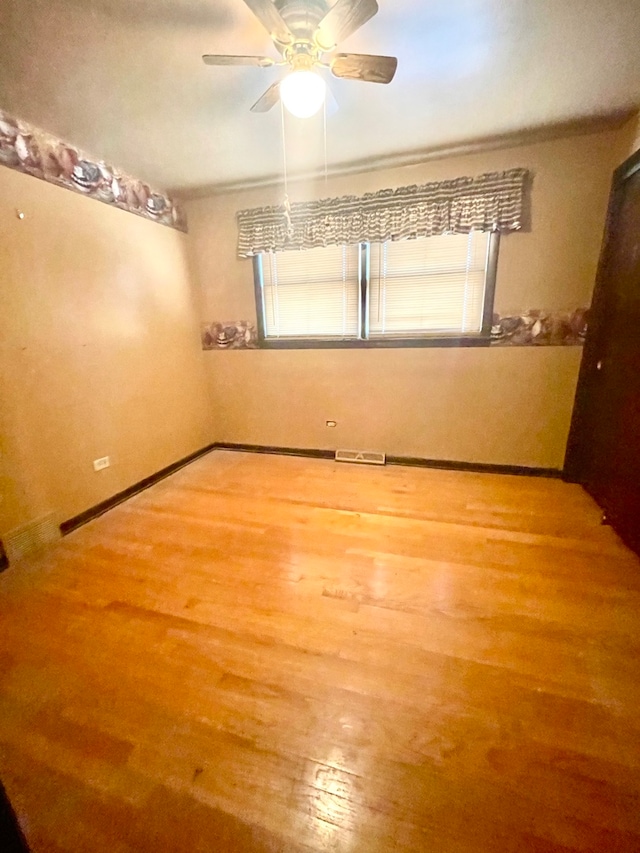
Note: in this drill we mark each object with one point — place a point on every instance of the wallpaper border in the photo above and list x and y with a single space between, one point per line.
35 152
231 334
530 328
536 327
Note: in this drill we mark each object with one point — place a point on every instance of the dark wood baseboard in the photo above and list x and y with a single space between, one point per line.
475 467
4 560
412 461
11 834
94 511
277 451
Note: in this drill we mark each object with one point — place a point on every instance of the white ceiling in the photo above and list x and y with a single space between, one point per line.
124 80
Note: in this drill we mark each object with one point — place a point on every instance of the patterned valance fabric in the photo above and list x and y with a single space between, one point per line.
490 202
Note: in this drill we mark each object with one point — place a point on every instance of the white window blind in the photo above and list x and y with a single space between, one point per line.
311 293
431 285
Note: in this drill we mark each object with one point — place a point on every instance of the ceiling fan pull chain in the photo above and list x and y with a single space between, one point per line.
287 216
286 203
326 168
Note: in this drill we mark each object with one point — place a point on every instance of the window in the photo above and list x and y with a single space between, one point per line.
421 290
311 294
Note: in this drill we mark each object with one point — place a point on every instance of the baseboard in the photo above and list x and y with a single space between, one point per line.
475 467
276 451
410 461
99 509
4 560
11 834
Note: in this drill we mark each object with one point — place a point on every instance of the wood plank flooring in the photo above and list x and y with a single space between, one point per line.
267 654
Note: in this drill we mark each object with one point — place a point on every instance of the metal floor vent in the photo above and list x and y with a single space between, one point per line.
31 537
365 457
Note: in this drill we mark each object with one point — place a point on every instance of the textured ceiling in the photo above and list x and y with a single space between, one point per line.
124 80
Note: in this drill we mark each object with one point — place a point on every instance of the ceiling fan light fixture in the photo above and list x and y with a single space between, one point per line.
303 93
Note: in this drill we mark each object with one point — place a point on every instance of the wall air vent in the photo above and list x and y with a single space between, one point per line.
31 537
365 457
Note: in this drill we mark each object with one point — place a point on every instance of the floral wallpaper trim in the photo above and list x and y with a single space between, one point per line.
532 328
229 335
36 152
535 328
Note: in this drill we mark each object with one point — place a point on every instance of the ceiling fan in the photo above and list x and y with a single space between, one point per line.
304 31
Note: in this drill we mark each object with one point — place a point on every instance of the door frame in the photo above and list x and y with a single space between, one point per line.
574 463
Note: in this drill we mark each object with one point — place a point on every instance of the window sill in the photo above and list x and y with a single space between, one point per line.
374 343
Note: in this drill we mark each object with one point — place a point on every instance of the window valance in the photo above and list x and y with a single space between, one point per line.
489 202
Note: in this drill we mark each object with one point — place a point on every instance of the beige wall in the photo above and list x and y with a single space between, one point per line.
99 351
509 406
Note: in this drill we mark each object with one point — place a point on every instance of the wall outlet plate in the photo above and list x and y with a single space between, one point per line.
99 464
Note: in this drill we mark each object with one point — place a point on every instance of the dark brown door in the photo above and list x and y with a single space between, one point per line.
604 445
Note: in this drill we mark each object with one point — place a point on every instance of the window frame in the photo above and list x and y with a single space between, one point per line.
481 339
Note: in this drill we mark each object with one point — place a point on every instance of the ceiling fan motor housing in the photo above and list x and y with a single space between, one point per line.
303 16
302 55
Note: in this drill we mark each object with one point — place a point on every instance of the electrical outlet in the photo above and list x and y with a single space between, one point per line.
99 464
331 423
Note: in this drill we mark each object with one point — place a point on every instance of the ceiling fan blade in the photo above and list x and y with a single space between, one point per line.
268 100
344 18
271 20
221 59
361 66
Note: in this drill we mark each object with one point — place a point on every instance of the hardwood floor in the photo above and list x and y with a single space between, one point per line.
267 653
